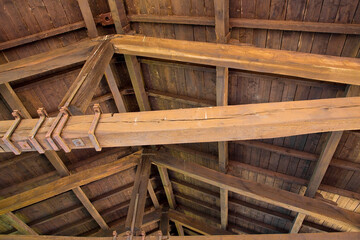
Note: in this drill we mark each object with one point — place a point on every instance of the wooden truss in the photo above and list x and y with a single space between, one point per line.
223 123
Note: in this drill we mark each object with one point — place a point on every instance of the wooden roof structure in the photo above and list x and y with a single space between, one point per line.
172 119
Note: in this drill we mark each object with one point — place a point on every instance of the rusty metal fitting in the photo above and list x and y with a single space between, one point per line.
93 126
42 116
64 112
10 131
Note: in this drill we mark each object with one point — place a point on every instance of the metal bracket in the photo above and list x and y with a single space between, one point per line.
57 132
42 116
10 131
93 125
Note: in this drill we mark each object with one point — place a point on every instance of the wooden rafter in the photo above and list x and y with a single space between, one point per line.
264 193
234 165
320 169
18 224
238 203
335 162
67 183
135 213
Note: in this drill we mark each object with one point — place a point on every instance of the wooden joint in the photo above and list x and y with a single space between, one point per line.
42 116
64 112
93 126
10 131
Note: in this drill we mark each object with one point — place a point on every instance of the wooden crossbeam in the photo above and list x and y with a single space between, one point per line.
193 224
44 63
254 121
311 66
67 183
264 193
287 25
305 236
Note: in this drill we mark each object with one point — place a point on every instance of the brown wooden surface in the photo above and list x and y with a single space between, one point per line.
302 65
253 23
67 183
308 236
217 124
46 62
88 18
262 192
78 98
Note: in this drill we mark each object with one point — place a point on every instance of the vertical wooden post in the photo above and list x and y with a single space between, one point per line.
222 78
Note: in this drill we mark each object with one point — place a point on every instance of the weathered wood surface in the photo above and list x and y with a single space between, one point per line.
135 213
67 183
79 96
88 18
264 193
46 62
311 66
254 121
253 23
193 224
304 236
335 162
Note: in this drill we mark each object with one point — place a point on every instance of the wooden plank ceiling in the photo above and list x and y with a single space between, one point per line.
145 83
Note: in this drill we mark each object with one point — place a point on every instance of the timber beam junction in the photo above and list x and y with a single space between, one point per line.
71 129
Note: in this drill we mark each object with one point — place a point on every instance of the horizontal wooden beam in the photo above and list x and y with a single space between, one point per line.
198 226
239 203
252 23
303 65
233 165
46 62
301 236
335 162
227 123
67 183
263 193
47 34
